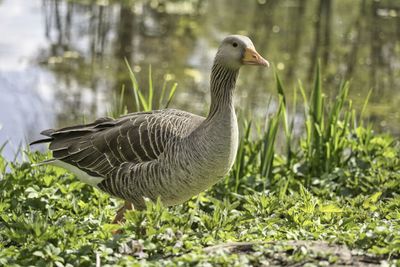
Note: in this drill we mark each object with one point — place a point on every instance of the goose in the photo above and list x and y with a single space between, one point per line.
168 154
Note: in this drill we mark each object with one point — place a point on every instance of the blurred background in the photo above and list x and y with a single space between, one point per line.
62 61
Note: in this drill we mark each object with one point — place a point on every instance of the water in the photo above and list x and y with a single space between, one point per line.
61 62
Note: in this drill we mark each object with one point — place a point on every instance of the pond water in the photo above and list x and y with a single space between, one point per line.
62 62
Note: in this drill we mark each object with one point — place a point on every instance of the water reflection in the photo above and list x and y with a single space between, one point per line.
88 45
85 43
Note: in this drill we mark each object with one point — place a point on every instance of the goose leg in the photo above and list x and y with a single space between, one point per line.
119 218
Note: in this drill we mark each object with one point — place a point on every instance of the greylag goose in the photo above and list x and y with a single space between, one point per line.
167 154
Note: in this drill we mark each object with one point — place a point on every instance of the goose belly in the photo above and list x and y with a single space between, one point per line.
173 183
197 171
184 186
81 175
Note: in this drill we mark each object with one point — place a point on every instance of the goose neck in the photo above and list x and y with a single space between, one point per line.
222 86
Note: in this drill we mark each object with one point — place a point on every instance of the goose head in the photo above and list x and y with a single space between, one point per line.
238 50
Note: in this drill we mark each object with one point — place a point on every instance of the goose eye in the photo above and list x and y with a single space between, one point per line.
234 44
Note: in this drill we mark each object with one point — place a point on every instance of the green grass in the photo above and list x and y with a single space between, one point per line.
330 197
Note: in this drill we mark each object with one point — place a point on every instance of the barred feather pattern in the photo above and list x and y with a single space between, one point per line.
169 154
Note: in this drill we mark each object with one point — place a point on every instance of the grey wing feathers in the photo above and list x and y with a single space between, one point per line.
100 147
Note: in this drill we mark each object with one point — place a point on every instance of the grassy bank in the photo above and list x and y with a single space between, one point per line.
331 197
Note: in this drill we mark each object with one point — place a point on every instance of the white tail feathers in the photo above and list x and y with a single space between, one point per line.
83 176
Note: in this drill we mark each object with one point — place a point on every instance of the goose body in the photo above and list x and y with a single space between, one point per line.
169 153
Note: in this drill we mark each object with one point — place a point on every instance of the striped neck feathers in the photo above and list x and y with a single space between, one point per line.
222 86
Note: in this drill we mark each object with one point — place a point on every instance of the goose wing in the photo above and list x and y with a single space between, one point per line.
100 147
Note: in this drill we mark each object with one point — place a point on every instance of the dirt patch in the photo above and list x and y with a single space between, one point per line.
299 253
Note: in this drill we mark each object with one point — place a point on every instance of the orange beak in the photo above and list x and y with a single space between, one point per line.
252 57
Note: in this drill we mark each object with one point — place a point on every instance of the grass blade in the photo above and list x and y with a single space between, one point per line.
135 87
171 94
151 91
